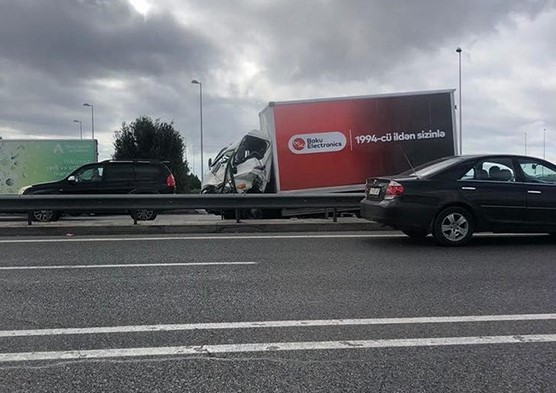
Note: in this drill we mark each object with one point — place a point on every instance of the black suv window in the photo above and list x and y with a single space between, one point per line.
148 172
89 174
118 172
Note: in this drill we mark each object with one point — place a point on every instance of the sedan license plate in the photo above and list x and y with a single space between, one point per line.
374 191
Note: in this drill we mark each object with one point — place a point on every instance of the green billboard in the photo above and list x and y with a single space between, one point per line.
24 162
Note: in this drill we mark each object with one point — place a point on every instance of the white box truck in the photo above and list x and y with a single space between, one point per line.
335 144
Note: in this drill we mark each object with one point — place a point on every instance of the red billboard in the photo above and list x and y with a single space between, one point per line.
335 144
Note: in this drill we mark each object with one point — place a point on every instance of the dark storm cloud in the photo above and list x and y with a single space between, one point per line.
55 55
68 38
348 40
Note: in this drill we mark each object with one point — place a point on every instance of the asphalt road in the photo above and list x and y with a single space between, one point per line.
281 313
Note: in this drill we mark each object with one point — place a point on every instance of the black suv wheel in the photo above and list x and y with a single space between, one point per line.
144 215
45 215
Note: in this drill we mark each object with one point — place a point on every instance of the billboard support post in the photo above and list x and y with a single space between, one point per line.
459 50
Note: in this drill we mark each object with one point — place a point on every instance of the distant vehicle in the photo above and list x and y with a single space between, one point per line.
109 177
29 161
334 144
454 197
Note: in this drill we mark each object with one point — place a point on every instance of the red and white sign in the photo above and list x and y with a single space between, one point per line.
323 142
338 143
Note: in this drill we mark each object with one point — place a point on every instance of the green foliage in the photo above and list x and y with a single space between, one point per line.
193 183
155 140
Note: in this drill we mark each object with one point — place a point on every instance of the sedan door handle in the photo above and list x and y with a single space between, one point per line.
534 192
469 188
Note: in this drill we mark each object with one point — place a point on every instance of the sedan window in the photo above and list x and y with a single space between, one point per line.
491 170
498 171
475 174
538 172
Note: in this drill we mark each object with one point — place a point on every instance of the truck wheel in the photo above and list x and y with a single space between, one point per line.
144 215
453 226
45 215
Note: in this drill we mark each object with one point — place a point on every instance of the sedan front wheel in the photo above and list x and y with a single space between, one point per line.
453 226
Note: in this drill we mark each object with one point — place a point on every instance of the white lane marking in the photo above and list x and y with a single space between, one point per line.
274 347
124 265
277 324
235 237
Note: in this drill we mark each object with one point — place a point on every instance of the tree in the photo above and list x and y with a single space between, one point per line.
194 183
155 140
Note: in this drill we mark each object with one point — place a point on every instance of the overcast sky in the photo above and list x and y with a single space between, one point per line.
138 57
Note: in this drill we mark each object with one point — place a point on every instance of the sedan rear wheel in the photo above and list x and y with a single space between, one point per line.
453 226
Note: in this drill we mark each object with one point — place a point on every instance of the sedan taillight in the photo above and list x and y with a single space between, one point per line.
170 181
393 190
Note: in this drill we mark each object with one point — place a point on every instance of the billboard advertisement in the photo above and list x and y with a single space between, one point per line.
335 144
24 162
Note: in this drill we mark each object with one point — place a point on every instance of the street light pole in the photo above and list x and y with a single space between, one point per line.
459 50
92 119
544 145
196 82
80 128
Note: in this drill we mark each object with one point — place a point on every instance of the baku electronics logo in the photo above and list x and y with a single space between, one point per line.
298 144
323 142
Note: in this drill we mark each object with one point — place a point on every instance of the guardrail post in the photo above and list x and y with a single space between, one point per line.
335 215
134 219
238 216
30 217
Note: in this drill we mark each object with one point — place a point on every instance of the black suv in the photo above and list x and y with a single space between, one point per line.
109 177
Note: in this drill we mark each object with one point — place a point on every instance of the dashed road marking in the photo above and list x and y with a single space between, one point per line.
274 347
278 324
123 265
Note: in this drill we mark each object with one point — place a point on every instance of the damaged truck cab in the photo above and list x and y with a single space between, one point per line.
242 167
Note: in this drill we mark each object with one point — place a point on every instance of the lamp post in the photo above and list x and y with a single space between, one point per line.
80 128
544 145
196 82
92 119
459 50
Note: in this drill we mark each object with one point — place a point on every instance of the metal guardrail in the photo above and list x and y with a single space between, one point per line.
237 202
